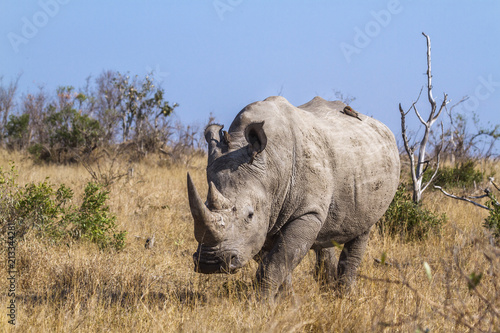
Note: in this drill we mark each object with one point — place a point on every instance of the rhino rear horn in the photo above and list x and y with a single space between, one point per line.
204 220
216 200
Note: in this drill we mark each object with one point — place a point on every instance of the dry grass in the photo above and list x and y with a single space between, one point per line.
79 288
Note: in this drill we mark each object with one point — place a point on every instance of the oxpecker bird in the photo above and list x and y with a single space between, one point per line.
150 242
351 112
226 137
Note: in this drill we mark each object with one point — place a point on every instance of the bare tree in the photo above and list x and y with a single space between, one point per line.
463 143
34 105
7 94
419 166
346 99
107 96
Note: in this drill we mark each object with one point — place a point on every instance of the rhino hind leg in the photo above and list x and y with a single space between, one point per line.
326 266
350 259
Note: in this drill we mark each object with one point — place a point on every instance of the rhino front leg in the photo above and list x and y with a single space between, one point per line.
350 259
286 288
291 246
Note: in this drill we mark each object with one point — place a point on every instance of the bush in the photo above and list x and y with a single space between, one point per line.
70 130
69 135
492 222
93 220
39 152
45 211
17 130
39 207
464 175
408 220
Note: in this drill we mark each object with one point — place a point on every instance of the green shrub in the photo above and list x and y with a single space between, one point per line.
408 220
70 129
93 220
492 222
39 208
39 152
45 211
9 195
463 175
17 130
69 133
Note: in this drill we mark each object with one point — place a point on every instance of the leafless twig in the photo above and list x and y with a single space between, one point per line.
492 181
461 198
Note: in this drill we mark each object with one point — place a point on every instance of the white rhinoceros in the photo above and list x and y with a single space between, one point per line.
287 179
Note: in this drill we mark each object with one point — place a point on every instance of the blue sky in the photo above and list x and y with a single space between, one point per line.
220 55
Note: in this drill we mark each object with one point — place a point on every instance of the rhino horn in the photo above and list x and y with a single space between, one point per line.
216 200
204 220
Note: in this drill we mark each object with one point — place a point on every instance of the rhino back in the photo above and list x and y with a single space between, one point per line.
365 169
321 161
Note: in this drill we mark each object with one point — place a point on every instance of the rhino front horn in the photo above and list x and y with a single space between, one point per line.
204 220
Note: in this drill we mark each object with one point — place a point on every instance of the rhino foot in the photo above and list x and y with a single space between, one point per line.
350 259
325 272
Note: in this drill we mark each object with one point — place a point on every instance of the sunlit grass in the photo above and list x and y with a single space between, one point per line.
79 288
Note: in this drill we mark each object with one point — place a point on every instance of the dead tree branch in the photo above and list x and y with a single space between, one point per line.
491 179
463 198
408 149
455 105
437 162
429 76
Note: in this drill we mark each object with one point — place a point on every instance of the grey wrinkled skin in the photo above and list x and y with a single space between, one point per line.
287 179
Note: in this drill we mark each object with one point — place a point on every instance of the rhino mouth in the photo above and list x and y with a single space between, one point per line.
210 260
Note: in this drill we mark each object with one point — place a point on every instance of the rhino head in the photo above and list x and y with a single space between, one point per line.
232 224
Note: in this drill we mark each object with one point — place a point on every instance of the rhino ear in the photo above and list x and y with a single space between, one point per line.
256 137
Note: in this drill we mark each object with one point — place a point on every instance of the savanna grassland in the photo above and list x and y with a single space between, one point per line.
78 287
